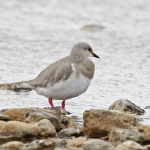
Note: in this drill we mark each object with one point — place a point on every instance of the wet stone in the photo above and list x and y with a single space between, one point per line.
76 142
46 128
69 132
72 148
5 139
97 144
57 108
121 135
69 122
35 116
47 143
14 145
60 142
126 106
132 145
30 146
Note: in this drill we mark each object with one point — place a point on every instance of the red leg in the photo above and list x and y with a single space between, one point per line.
50 101
63 103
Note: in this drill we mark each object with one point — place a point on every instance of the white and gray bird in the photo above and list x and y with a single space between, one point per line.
64 79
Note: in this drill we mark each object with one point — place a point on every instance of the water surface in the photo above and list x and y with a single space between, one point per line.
34 34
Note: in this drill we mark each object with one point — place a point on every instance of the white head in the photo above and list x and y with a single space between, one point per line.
82 50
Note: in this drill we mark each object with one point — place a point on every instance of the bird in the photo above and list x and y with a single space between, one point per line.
64 79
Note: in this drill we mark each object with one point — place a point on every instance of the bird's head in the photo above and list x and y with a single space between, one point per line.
82 50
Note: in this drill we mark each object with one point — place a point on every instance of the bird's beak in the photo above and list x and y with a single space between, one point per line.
94 55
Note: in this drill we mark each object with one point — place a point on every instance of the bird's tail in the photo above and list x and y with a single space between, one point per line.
17 86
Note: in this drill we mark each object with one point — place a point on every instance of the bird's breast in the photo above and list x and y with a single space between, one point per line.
87 68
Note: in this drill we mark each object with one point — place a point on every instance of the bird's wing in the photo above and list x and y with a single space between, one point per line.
52 74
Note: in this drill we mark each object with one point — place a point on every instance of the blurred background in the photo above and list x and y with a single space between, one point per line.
36 33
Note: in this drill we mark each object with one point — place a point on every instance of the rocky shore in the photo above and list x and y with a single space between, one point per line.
117 128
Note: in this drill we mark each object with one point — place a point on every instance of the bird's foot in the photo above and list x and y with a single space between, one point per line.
50 101
63 103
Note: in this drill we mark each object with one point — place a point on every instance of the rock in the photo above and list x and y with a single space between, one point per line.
76 142
121 135
16 114
144 128
57 111
19 114
69 132
12 145
60 142
30 146
147 107
4 118
130 145
47 143
35 116
69 122
57 108
7 139
2 111
148 147
92 27
19 129
97 144
126 106
98 123
72 148
46 128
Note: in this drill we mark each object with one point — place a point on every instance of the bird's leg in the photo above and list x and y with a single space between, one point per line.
63 103
50 101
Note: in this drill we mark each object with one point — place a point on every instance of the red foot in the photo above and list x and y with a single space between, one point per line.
63 103
50 101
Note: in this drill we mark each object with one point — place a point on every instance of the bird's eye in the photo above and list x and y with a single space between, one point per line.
89 49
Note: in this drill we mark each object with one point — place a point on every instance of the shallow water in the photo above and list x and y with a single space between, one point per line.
34 34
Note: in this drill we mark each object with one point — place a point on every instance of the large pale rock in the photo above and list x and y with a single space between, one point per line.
97 144
126 106
35 116
19 129
46 128
76 142
130 145
19 114
12 145
121 135
69 132
98 123
69 122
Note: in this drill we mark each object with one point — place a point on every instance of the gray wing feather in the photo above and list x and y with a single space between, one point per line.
52 74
